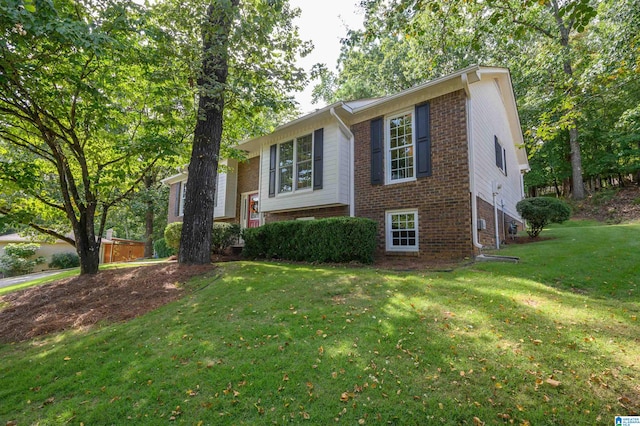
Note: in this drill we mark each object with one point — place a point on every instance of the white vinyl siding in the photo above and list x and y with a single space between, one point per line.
489 124
335 185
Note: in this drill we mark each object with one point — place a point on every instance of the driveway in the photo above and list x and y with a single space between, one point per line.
6 282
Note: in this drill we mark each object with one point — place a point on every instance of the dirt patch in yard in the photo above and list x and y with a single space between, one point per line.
112 295
619 205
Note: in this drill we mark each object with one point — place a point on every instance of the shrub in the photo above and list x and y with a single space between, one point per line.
161 248
223 236
340 239
18 259
172 235
540 211
64 260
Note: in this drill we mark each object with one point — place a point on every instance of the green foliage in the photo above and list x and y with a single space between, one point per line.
574 64
341 239
161 248
92 100
18 259
64 260
541 211
172 235
223 236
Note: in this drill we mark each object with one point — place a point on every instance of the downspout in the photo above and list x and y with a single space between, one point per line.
352 193
495 214
472 170
261 214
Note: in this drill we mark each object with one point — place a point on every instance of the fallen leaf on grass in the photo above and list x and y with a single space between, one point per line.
477 422
553 382
345 396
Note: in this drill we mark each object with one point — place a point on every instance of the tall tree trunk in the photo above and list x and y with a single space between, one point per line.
574 144
87 246
195 241
148 218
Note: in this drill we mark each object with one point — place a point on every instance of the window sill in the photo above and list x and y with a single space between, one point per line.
402 253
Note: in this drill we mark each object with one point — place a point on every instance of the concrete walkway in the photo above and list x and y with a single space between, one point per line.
6 282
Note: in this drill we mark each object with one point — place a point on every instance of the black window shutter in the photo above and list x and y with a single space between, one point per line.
178 197
377 151
423 141
273 150
318 150
504 159
498 149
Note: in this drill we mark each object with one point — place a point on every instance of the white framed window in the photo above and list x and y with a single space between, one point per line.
295 164
285 167
183 195
501 155
400 147
402 230
304 162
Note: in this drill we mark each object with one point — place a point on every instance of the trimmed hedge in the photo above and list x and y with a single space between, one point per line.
223 236
338 239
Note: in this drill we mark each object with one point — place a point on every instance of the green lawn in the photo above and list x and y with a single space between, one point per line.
551 340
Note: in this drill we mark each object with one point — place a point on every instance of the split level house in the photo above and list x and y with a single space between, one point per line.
439 167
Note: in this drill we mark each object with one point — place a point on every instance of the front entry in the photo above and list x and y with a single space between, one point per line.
252 213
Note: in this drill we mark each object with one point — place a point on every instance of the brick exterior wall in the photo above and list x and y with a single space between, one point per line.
487 237
171 213
320 213
442 199
248 180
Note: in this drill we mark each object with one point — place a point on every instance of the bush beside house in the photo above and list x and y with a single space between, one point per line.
541 211
339 239
223 236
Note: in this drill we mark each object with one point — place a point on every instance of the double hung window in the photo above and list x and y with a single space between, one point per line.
295 164
400 148
402 230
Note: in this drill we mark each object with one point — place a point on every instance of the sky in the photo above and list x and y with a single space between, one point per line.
324 22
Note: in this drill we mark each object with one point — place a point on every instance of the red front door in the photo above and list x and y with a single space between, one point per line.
253 214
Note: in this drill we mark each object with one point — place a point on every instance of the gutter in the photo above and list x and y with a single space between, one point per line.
347 131
472 168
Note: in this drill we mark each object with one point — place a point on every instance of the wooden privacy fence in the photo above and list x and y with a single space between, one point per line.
119 250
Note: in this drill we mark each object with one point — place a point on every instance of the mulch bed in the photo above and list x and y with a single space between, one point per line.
112 295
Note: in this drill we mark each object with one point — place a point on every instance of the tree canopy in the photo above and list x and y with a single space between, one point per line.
574 65
96 97
88 104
